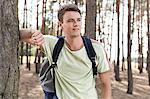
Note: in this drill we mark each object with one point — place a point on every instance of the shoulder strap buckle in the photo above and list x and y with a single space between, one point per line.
53 64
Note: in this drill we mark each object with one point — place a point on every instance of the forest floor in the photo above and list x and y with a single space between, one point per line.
30 88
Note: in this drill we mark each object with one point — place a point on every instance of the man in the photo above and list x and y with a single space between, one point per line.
73 74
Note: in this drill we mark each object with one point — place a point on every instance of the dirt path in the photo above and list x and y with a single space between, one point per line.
29 85
30 88
141 90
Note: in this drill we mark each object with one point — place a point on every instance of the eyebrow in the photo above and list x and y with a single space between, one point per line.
73 19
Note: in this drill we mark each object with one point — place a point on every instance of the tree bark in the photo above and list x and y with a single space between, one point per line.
130 78
90 20
9 38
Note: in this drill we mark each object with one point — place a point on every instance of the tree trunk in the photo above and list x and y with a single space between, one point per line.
130 78
140 52
76 2
123 58
112 29
90 20
9 38
148 34
118 54
140 40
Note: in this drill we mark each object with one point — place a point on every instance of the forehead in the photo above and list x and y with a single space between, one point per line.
72 15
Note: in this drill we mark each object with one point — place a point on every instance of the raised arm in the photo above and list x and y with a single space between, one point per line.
33 37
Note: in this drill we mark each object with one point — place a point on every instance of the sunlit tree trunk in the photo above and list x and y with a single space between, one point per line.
90 20
140 41
130 78
9 38
117 74
112 29
148 34
123 58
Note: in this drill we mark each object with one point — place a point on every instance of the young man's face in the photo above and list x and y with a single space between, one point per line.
71 25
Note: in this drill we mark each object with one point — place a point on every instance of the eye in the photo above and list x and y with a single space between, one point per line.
79 19
70 20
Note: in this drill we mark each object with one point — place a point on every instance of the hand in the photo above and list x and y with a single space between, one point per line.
37 38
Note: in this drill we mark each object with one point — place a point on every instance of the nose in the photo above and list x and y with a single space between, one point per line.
76 23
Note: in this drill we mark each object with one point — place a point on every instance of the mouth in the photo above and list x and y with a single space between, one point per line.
75 29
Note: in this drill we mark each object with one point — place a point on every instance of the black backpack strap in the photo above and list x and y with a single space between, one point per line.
57 49
90 52
55 55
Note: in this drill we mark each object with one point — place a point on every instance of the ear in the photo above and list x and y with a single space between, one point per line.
60 24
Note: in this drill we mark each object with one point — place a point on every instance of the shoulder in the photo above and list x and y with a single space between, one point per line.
49 41
94 41
96 44
98 47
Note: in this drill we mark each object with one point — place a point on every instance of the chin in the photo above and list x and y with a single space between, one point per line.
77 35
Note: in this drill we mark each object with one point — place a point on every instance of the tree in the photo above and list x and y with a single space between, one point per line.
148 34
123 57
140 39
76 2
130 78
118 48
90 20
9 37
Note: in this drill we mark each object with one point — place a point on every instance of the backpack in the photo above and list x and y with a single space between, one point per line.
47 73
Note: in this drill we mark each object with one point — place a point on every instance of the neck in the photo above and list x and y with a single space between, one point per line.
74 43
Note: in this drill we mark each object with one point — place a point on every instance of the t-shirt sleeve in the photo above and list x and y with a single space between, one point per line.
102 61
49 43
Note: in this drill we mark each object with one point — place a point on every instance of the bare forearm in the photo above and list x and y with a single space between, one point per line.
34 37
106 85
25 35
106 91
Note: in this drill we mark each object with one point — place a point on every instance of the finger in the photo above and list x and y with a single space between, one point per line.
38 36
39 39
33 42
39 43
37 32
33 39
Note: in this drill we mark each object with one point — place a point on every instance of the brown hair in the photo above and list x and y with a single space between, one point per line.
65 8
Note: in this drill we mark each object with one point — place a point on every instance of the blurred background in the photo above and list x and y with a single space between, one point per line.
122 26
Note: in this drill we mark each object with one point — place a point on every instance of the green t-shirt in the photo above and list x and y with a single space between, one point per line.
73 74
